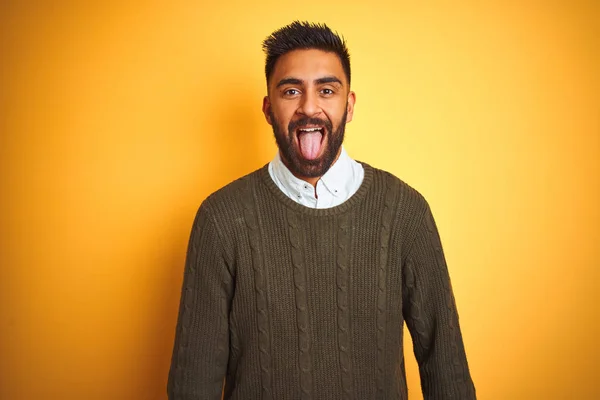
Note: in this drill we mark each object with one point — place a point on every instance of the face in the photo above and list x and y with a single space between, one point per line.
308 105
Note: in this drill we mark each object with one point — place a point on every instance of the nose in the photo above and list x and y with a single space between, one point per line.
309 105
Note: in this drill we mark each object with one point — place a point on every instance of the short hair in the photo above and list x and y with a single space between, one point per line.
303 36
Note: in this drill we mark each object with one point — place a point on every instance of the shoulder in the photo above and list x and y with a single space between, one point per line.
234 191
412 211
409 199
226 205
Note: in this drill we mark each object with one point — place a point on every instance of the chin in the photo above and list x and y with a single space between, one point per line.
316 168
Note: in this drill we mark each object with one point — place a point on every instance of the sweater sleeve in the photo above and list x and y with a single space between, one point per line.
201 349
432 319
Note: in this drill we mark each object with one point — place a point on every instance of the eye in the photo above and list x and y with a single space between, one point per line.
327 92
291 92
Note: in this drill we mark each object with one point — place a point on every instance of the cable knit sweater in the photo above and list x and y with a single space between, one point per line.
281 301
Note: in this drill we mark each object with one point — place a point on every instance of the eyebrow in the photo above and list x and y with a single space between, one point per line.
320 81
290 81
328 79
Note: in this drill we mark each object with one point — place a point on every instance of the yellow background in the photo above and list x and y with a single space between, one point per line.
117 120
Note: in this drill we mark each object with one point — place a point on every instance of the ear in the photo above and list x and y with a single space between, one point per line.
266 109
350 107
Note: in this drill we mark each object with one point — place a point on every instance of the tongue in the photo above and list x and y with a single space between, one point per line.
310 144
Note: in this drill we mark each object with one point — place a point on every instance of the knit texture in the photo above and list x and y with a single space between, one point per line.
287 302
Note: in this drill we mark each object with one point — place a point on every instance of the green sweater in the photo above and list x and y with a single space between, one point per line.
288 302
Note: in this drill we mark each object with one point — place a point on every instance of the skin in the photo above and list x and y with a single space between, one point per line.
308 84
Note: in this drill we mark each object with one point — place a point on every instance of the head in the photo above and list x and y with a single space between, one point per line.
309 100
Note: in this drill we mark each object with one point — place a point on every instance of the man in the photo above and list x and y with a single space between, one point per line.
300 275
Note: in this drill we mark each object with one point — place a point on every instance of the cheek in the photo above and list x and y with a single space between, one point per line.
336 112
284 115
335 118
281 124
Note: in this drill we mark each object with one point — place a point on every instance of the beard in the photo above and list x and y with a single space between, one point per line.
291 156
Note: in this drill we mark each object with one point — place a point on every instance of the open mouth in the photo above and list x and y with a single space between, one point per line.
310 140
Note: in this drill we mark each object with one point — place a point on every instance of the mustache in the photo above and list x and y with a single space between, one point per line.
293 125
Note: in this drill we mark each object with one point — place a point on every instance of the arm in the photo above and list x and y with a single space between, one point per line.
432 319
201 349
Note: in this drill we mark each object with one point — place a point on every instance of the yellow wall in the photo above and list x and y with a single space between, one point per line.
116 121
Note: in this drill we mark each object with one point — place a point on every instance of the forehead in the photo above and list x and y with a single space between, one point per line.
308 65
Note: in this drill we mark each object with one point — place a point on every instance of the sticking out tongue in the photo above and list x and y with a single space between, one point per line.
310 144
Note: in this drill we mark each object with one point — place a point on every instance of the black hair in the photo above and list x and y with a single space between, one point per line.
304 35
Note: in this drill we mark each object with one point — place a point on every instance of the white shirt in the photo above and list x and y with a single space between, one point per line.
338 184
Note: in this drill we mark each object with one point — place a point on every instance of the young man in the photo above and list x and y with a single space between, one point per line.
300 275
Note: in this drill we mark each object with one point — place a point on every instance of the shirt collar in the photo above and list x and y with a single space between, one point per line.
337 180
339 176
